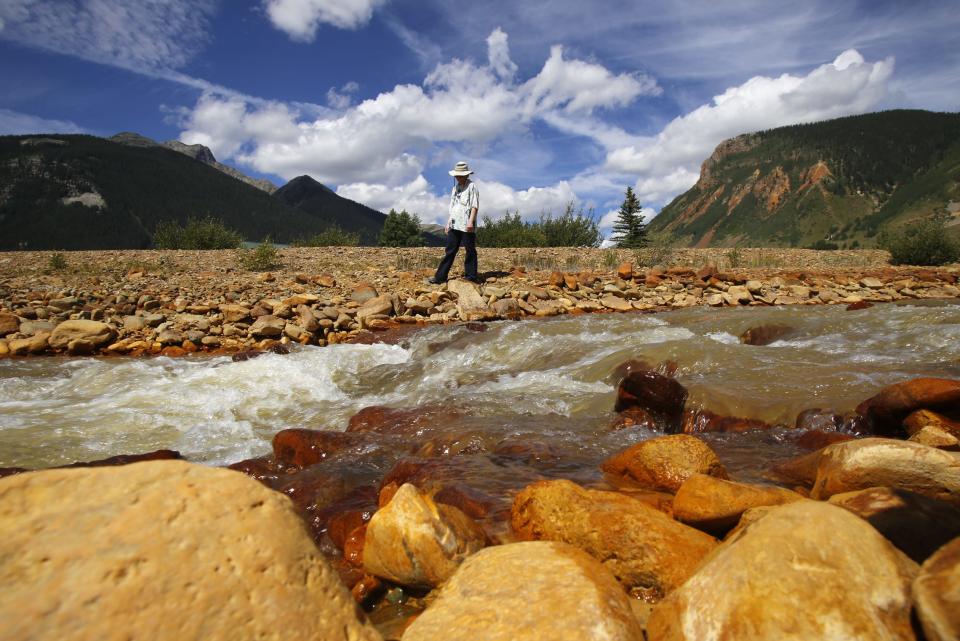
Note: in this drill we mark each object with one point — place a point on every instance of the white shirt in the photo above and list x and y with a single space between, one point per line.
461 202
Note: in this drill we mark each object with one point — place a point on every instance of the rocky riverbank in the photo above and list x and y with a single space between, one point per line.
174 303
857 540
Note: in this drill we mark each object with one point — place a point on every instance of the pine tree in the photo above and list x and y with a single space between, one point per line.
401 230
630 230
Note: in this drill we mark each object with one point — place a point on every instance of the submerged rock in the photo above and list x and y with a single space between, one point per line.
528 592
936 591
660 396
162 549
803 571
766 334
416 542
648 552
872 462
663 463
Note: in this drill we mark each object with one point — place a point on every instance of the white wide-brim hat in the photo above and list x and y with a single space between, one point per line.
461 169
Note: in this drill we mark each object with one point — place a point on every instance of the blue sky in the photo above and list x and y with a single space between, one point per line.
550 102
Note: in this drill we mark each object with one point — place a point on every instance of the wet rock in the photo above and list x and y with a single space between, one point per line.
417 542
94 332
663 463
870 462
491 597
347 514
268 326
887 410
802 469
9 324
180 550
805 570
936 591
818 439
933 436
660 396
858 305
920 419
766 334
715 505
816 419
261 468
700 420
916 524
300 448
648 552
406 421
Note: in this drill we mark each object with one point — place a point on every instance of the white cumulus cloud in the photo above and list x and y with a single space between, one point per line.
300 19
668 163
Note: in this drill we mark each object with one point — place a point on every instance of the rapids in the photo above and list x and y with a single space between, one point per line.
546 381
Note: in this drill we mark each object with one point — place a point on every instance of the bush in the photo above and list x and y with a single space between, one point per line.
573 228
206 233
58 262
261 258
924 243
824 245
401 230
332 236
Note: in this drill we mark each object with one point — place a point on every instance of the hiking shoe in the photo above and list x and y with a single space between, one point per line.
433 281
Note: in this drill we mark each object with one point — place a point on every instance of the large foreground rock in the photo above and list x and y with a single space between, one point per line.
715 505
93 332
803 571
663 463
648 552
414 541
876 462
162 550
936 591
528 592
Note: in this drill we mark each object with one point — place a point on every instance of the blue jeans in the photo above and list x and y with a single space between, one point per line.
455 238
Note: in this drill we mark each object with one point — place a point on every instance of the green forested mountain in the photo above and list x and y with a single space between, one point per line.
833 183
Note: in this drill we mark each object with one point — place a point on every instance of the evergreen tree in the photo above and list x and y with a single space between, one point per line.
630 230
401 230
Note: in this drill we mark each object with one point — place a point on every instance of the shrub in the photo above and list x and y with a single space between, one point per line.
824 245
573 228
57 262
923 243
206 233
261 258
401 230
332 236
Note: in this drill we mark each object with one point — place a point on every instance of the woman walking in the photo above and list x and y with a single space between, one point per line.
461 227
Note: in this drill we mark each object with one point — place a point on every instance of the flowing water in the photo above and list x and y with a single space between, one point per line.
548 382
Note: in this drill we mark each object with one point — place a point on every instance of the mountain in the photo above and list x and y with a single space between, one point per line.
832 183
308 195
84 192
197 152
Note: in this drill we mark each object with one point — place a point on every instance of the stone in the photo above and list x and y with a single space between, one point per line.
663 463
505 308
887 410
134 323
268 326
805 570
300 448
647 551
234 313
417 542
611 301
921 419
871 283
528 591
169 337
93 332
165 549
9 324
376 306
400 420
625 271
872 462
715 505
933 436
469 301
766 334
363 292
916 524
740 294
660 396
936 591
